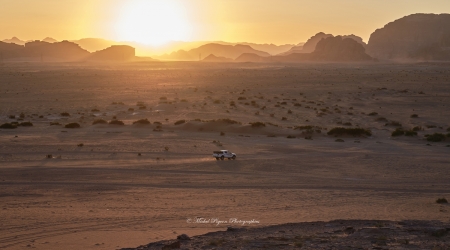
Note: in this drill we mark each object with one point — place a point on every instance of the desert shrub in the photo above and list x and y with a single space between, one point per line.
339 140
410 133
80 145
393 123
414 115
116 122
217 102
398 132
283 118
232 103
65 114
222 133
304 127
257 124
216 242
131 109
348 124
8 126
436 137
180 122
142 121
441 201
142 107
99 121
12 117
373 114
26 124
72 125
417 128
289 111
166 148
157 123
95 110
349 131
22 115
431 126
448 129
163 98
55 124
381 119
242 98
291 137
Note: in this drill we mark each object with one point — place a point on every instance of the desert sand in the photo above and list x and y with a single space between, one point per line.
109 186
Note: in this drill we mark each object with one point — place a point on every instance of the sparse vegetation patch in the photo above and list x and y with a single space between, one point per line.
349 131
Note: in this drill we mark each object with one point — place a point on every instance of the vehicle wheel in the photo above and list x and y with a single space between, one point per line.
217 158
234 157
222 157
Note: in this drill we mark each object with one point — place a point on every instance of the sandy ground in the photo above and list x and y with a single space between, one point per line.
104 195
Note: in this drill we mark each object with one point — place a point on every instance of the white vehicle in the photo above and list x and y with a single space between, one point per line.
222 154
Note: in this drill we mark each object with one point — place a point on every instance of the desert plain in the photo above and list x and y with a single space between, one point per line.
110 186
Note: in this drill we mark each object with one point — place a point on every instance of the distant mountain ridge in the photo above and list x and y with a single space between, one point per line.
219 50
64 51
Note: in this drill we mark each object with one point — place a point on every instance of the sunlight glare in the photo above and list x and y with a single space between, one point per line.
153 22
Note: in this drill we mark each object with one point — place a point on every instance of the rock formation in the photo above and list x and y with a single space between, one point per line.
114 53
417 36
59 51
339 49
213 58
250 57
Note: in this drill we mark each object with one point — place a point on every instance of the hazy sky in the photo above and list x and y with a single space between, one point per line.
156 21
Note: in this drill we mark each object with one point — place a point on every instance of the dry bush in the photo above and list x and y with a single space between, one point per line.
99 121
257 124
72 125
436 137
8 126
117 122
349 131
142 122
65 114
180 122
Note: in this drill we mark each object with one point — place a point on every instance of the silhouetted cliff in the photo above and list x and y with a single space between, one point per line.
418 36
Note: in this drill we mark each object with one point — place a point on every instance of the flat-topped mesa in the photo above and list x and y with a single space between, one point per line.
114 53
417 36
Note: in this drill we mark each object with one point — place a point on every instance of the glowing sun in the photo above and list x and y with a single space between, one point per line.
153 22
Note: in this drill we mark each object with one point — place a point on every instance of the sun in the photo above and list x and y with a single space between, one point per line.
153 22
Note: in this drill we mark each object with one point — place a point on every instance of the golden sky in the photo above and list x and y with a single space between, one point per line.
157 21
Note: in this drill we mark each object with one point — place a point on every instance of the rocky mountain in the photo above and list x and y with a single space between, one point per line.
417 36
339 49
114 53
213 58
59 51
330 49
64 51
49 40
14 40
219 50
250 57
310 45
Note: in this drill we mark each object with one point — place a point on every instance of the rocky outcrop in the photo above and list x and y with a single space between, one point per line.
114 53
59 51
250 57
418 36
213 58
339 49
219 50
311 44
